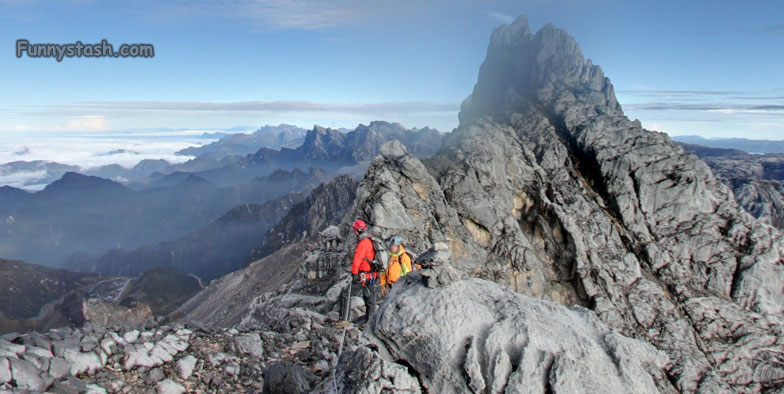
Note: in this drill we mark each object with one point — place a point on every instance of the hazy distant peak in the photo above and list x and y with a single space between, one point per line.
74 181
523 69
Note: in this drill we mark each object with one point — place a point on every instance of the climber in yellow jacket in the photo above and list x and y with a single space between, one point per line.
399 263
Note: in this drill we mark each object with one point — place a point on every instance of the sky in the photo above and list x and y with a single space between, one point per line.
709 68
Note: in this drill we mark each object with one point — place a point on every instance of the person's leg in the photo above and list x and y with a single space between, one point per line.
370 302
367 297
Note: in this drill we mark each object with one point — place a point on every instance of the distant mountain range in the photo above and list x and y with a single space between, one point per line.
239 158
335 150
211 251
241 144
326 204
32 173
744 144
92 214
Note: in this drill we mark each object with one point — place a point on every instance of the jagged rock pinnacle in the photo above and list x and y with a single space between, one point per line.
526 69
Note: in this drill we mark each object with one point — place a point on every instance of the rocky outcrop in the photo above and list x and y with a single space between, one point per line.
327 204
474 336
756 180
547 188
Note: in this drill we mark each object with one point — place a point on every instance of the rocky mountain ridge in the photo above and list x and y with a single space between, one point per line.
756 180
241 144
332 148
563 249
547 188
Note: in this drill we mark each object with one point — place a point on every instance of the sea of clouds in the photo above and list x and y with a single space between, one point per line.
89 150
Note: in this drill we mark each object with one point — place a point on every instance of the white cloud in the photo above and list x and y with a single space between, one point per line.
304 14
269 106
277 14
87 123
501 17
91 151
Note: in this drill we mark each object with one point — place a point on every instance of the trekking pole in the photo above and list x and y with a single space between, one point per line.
343 337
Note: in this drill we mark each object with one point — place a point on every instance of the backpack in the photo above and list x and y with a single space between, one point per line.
403 269
379 263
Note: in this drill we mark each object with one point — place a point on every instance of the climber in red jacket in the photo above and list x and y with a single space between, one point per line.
361 268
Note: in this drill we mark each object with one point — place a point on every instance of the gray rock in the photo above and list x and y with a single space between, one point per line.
25 375
250 343
131 336
68 385
5 370
756 180
285 377
12 350
168 386
155 375
59 367
232 369
39 352
474 336
548 189
393 149
82 362
186 365
94 389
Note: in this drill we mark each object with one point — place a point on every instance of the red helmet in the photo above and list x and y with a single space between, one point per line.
359 226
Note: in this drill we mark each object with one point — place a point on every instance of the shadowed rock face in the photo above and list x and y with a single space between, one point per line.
547 188
325 205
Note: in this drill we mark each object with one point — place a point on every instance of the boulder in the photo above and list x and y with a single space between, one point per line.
285 377
474 336
26 375
185 366
250 343
168 386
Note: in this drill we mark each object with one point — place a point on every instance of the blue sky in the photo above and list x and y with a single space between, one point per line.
711 68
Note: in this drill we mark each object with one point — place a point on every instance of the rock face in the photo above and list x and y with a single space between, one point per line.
547 188
756 180
474 336
327 204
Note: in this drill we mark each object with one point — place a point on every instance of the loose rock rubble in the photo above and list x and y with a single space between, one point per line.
169 358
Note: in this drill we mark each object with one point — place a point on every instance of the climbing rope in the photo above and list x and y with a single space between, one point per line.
343 337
